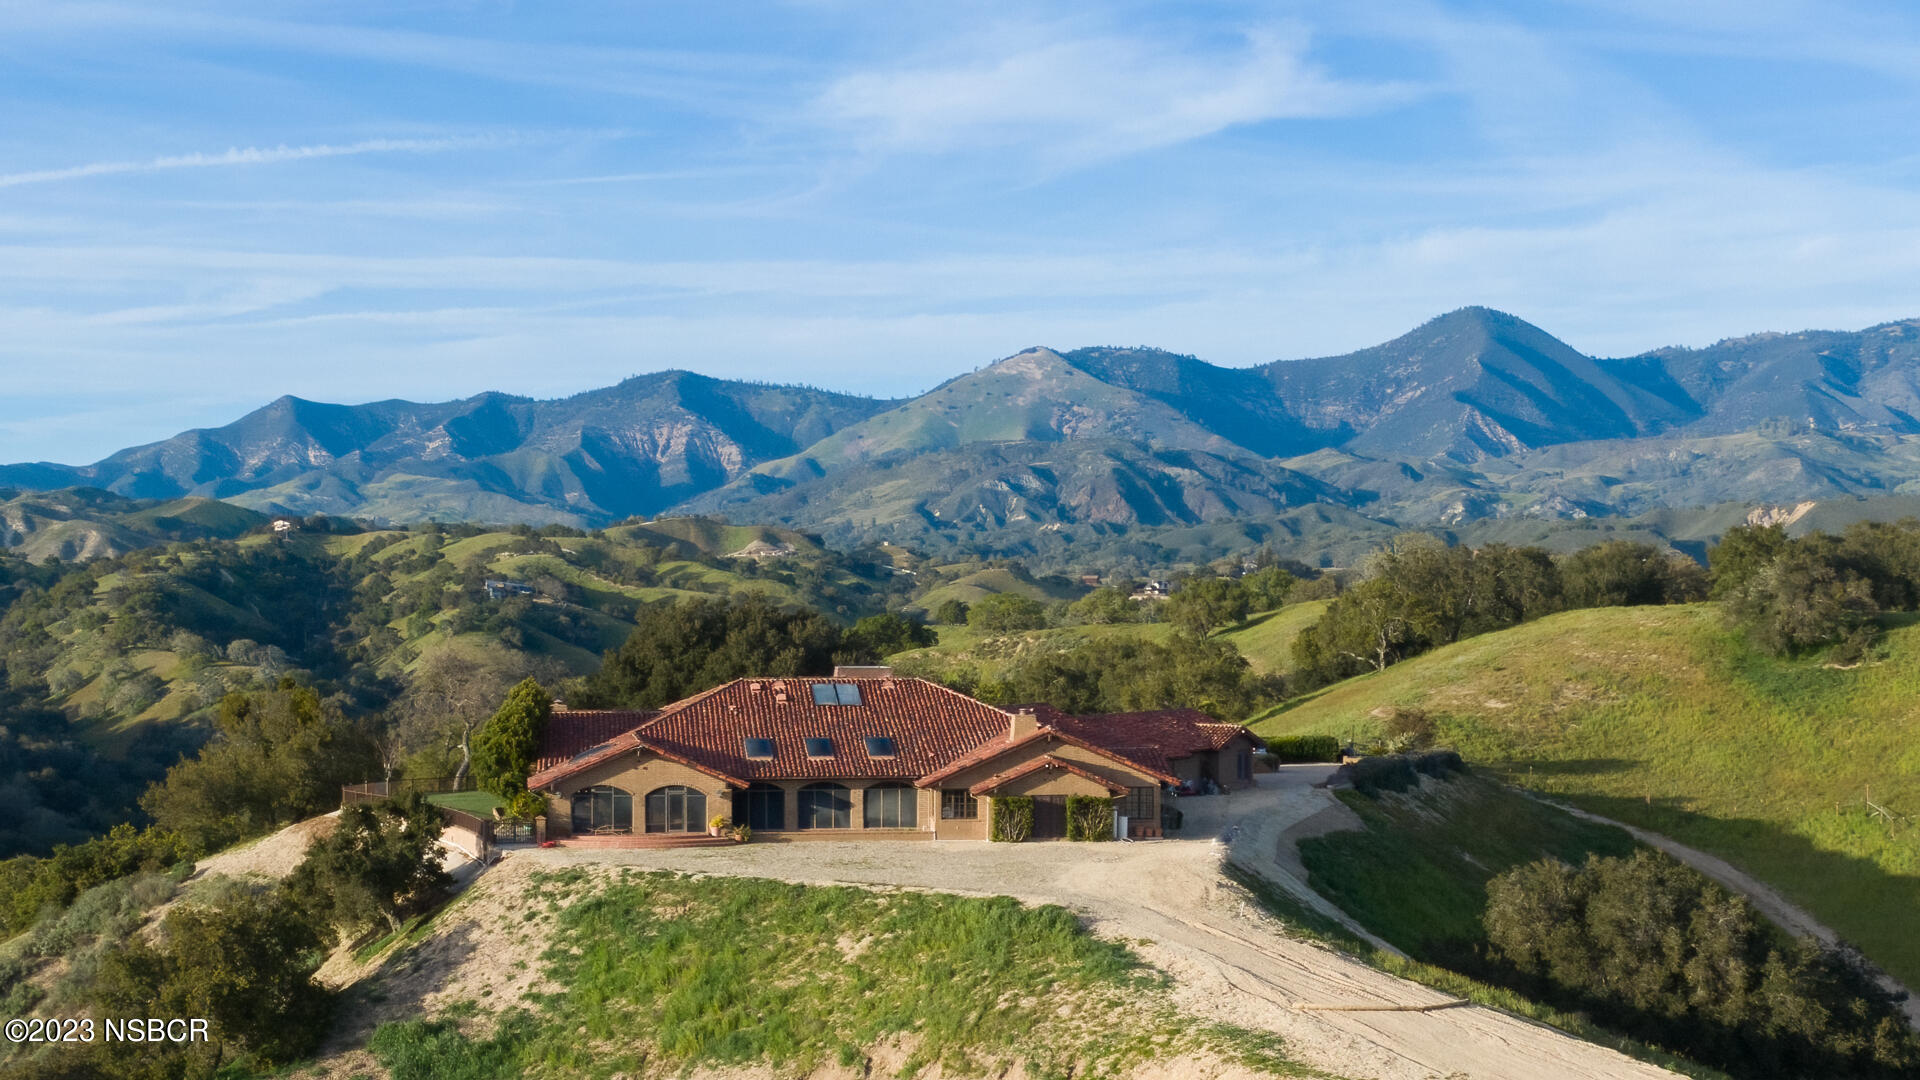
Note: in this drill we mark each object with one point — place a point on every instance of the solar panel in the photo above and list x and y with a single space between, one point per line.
758 748
879 746
836 694
819 747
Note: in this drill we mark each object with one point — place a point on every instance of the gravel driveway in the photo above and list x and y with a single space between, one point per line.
1229 961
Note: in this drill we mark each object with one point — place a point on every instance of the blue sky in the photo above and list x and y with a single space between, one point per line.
204 206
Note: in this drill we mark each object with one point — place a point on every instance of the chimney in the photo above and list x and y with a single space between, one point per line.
558 705
1025 722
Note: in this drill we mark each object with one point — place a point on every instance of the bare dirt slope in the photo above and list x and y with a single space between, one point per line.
1229 961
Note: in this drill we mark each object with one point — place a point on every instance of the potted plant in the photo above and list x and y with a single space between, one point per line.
742 833
717 824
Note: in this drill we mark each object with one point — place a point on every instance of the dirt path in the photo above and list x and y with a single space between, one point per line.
1771 904
1229 960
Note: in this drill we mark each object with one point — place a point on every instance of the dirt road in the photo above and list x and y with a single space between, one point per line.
1229 960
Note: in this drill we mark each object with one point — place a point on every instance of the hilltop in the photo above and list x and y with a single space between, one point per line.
1663 718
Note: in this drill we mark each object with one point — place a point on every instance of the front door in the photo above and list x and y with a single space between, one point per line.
1049 817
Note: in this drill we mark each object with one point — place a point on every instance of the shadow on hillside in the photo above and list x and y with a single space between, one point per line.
399 989
1867 906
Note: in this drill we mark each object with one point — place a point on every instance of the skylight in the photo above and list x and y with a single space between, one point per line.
836 694
819 747
879 746
758 748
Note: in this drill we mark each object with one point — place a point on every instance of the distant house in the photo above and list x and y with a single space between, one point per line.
500 590
760 549
1091 581
281 525
865 755
1153 590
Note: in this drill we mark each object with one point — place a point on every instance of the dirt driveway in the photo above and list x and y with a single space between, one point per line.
1229 960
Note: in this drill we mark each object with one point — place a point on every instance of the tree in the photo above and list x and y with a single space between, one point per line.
1268 587
451 695
951 612
1741 553
1622 573
276 756
684 648
877 637
1801 601
247 968
1204 604
380 861
1105 605
1652 948
507 746
1005 613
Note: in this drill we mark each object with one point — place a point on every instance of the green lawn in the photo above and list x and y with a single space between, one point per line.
672 973
1663 718
478 803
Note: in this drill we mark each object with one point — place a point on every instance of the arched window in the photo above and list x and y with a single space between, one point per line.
762 806
825 806
891 806
602 810
676 809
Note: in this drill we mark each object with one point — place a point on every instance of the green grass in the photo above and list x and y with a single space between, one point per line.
672 972
988 656
480 803
1442 843
1266 639
1665 719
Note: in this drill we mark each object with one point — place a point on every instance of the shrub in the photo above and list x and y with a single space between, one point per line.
1004 613
1012 818
1300 749
504 750
1653 948
1398 772
381 861
1089 817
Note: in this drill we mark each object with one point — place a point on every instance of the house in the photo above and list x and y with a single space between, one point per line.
500 590
1153 590
865 754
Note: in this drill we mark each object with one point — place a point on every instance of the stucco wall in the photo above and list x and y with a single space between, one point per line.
1098 764
636 775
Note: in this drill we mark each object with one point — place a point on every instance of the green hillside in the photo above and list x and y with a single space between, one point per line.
1663 718
1266 639
972 587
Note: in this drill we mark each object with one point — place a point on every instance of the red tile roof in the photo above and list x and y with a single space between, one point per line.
929 724
570 731
987 751
1176 733
1037 764
936 733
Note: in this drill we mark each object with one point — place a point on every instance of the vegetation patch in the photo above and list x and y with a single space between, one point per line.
662 972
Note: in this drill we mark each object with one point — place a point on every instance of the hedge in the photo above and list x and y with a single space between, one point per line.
1398 772
1089 817
1012 818
1303 749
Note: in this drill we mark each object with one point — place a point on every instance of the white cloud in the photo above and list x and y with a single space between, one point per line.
1096 96
254 155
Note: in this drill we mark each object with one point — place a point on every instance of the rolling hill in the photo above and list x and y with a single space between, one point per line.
1802 775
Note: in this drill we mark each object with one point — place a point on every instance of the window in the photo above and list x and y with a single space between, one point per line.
825 806
676 809
758 749
958 804
891 806
602 810
1137 804
836 694
819 747
762 806
879 746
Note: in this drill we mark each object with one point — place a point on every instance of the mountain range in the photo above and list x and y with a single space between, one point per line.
1476 414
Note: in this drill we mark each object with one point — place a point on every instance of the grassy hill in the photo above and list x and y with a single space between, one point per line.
976 586
1665 719
1266 639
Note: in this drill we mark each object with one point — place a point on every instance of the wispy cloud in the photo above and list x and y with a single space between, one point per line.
254 155
1098 96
